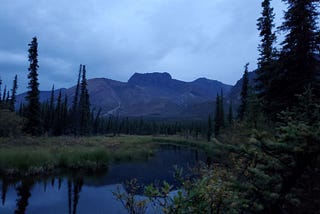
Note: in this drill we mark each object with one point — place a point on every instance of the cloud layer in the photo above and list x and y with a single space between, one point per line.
187 38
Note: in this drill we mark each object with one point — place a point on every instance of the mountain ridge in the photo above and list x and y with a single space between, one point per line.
148 95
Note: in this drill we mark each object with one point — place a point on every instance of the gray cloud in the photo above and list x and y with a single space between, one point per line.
187 38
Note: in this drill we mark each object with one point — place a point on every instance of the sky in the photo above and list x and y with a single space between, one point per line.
114 39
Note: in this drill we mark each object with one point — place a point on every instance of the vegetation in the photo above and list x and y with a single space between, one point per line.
32 113
41 155
244 94
267 51
272 151
268 157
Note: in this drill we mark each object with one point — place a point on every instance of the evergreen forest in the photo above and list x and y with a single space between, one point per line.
268 144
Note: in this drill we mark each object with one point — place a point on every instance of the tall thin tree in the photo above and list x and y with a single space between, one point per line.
244 93
266 48
299 66
13 93
84 105
33 124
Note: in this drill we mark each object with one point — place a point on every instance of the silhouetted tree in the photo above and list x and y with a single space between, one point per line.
298 60
33 124
0 91
230 114
57 124
84 105
221 115
4 93
266 48
217 124
13 93
244 93
209 131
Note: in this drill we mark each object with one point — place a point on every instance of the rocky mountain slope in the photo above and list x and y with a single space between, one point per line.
149 95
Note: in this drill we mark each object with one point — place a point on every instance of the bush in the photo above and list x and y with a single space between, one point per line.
10 123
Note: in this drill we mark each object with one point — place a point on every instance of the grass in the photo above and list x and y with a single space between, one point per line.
38 155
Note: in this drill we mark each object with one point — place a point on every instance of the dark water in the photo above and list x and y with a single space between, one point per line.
91 193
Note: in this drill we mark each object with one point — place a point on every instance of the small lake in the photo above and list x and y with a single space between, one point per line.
77 193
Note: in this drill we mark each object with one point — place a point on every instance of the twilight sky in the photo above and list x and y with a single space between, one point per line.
187 38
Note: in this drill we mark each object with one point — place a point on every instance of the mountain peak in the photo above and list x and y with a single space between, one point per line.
154 78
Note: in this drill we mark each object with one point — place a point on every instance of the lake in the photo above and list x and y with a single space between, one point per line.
78 192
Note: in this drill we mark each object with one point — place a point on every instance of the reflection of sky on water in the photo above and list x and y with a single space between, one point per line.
93 193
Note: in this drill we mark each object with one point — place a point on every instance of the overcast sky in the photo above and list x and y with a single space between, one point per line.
187 38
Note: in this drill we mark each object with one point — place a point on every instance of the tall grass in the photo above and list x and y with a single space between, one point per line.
28 155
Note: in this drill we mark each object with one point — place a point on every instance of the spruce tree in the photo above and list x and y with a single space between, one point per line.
76 94
230 114
57 124
299 66
75 110
0 90
84 105
217 122
267 51
33 124
221 115
13 93
4 94
244 94
64 114
51 108
209 131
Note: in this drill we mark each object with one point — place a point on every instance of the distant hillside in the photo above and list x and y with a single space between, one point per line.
234 94
149 95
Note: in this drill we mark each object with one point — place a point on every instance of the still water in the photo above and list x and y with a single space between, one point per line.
77 193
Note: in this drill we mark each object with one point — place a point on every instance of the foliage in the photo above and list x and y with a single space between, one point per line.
244 94
84 105
219 114
128 198
10 123
33 124
266 48
209 131
298 65
13 93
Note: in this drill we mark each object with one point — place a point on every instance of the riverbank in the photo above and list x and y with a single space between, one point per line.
43 155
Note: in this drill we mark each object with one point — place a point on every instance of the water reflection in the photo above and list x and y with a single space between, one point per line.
23 193
79 193
4 191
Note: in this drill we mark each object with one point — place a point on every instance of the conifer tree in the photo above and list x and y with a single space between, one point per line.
76 94
230 114
244 93
64 114
51 108
8 99
266 48
299 66
4 94
84 105
217 121
209 131
0 90
75 110
58 116
13 93
33 124
221 115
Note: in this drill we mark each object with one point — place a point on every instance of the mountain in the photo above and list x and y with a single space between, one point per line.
155 95
234 94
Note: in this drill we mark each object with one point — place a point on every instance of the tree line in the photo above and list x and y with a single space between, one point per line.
62 116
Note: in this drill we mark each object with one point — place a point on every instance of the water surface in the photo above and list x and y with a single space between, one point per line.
77 193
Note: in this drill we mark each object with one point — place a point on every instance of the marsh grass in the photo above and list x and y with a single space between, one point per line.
32 155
